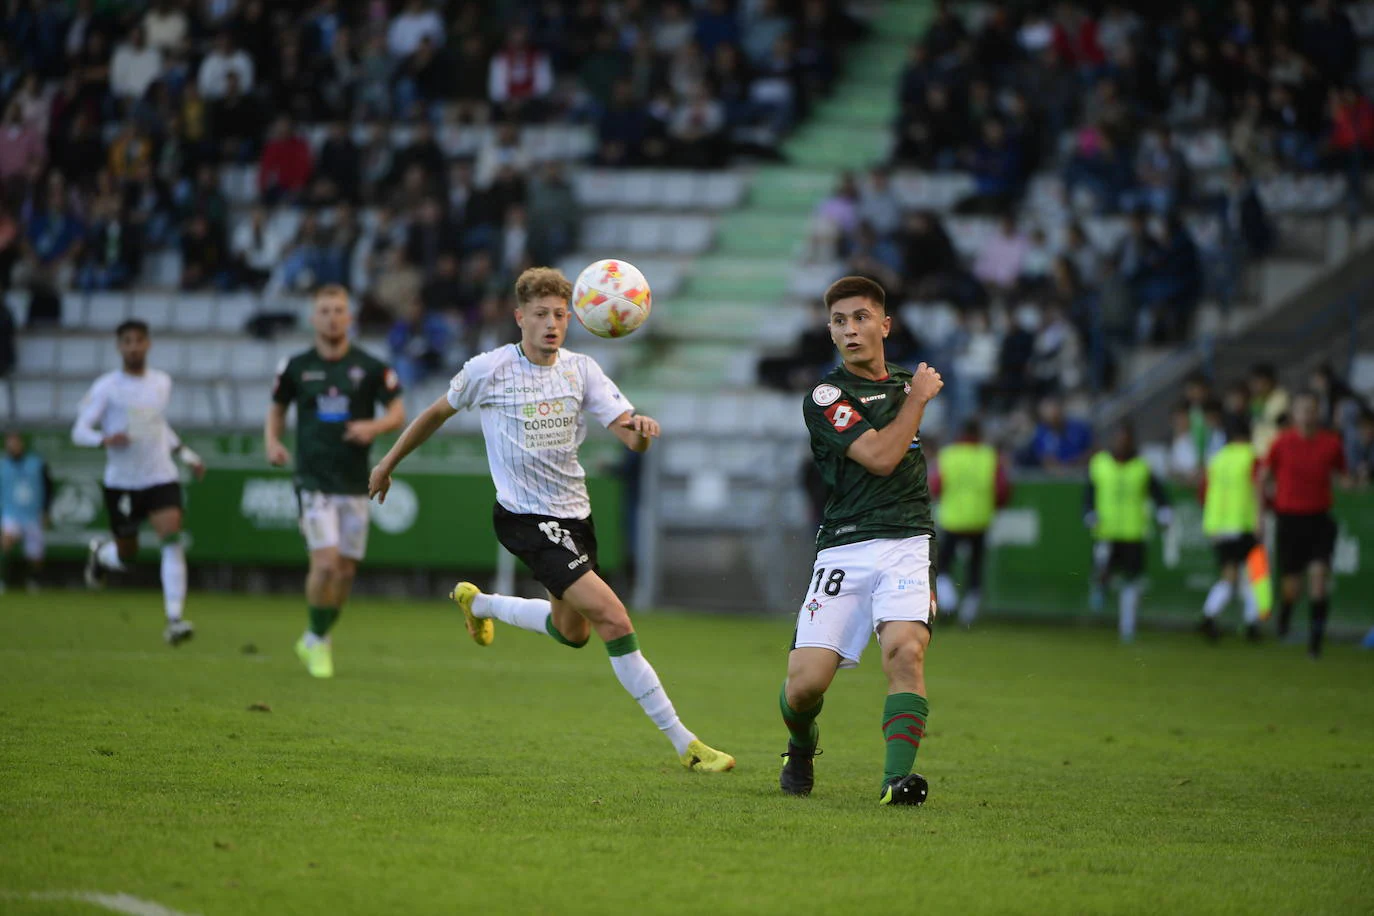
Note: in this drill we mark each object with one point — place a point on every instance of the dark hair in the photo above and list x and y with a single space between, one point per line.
972 429
1237 427
850 287
133 324
1265 371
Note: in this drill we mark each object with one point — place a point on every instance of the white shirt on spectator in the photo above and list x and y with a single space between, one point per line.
493 155
260 250
133 70
214 73
406 31
165 31
1183 457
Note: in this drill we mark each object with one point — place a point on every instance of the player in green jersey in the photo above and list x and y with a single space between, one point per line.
335 388
872 571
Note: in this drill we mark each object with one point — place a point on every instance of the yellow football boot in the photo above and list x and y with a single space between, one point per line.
703 758
481 629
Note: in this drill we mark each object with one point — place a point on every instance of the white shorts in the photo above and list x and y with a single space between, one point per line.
334 520
856 587
30 532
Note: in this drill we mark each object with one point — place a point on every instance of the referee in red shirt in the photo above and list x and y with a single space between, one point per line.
1301 463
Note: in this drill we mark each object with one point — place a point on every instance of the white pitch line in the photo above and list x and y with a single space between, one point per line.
118 903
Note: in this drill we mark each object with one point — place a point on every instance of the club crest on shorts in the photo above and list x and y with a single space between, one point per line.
825 395
813 606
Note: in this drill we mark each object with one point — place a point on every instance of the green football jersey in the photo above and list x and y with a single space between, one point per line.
863 506
328 394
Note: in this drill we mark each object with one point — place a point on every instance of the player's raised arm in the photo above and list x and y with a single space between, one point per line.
881 450
635 430
415 435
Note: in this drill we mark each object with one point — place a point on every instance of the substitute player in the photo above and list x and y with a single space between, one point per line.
534 399
335 388
1116 508
1301 464
970 484
125 413
1230 518
872 571
25 497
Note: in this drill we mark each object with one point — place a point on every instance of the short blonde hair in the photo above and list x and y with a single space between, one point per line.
331 289
538 282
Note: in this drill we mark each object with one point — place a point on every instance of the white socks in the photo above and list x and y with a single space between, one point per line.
108 556
1217 598
1247 597
1130 602
525 613
174 579
946 595
640 680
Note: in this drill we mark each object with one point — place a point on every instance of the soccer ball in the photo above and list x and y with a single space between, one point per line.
611 298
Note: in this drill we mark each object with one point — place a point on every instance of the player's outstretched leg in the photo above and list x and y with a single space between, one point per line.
102 559
592 598
1218 597
533 614
905 710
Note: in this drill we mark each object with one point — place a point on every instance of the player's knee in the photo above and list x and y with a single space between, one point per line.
803 691
326 568
906 656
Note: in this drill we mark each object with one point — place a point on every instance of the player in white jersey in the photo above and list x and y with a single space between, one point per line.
534 398
125 413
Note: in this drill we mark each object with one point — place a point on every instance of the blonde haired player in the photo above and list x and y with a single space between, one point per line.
336 388
534 398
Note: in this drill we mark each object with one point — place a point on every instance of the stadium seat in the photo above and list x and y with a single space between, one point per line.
162 269
154 308
37 355
18 304
169 355
73 311
252 361
680 191
105 311
206 358
179 408
194 312
200 411
33 400
723 190
233 310
78 357
69 395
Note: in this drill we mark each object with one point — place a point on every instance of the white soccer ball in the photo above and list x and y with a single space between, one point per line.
611 298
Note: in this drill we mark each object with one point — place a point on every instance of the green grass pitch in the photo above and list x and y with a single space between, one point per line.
1068 774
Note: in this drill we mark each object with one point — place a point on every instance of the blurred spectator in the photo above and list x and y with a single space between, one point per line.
338 173
134 67
22 151
1168 296
398 281
112 251
1084 255
622 129
415 23
224 59
836 219
762 30
166 26
673 29
1362 447
238 122
285 168
1338 405
1000 260
376 160
54 234
975 349
554 215
423 151
933 134
205 262
443 293
431 234
130 152
1184 461
257 247
1161 174
519 76
874 257
1329 41
1060 443
503 147
1056 363
418 341
375 67
878 204
697 128
810 355
1268 406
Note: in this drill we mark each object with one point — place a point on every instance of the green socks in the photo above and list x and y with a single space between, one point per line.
802 725
904 724
322 620
558 637
622 646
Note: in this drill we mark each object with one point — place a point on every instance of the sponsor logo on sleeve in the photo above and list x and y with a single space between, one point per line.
842 416
825 395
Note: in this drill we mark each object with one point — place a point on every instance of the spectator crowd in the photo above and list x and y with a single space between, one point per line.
389 140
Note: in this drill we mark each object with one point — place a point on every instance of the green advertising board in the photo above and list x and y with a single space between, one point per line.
438 513
1040 561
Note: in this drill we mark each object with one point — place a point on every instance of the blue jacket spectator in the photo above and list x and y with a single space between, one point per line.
418 341
1059 442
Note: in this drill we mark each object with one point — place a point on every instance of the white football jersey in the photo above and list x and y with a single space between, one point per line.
135 405
533 422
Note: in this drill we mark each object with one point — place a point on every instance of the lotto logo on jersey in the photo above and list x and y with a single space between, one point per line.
842 416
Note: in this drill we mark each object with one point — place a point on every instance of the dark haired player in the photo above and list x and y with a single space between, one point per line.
125 413
872 571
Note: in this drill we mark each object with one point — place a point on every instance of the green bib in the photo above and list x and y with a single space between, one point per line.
1121 494
1230 507
968 487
